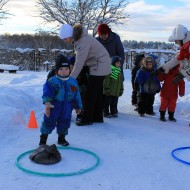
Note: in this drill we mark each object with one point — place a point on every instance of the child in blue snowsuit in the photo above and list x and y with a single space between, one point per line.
60 95
148 86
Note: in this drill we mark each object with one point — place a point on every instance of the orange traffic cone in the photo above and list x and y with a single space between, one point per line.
32 121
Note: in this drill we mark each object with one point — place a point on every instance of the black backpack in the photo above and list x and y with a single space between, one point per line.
151 86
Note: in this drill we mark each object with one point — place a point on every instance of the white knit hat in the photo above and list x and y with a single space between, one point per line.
66 31
178 33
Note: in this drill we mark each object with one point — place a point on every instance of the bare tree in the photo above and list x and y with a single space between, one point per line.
87 12
3 11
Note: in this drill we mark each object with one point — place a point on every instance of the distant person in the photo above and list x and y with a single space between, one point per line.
169 93
113 88
91 53
137 65
148 86
60 95
112 42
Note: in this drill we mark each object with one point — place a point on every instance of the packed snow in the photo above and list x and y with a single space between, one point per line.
134 151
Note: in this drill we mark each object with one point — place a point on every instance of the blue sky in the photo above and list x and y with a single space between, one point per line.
150 20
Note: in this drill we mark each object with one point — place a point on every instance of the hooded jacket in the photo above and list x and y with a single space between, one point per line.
146 82
91 53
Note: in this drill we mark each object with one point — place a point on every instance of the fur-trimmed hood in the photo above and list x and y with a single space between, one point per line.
79 31
146 59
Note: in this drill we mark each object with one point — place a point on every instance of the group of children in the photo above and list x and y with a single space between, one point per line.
62 93
145 86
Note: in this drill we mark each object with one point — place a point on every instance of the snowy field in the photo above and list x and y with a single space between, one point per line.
134 151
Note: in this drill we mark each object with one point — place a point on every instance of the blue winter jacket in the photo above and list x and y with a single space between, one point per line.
64 95
58 91
142 77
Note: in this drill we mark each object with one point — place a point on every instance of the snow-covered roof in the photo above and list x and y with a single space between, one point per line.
8 67
150 51
20 50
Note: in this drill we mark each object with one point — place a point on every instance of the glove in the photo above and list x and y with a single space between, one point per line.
178 78
48 106
186 73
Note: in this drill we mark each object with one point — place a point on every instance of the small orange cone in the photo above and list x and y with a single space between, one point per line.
32 121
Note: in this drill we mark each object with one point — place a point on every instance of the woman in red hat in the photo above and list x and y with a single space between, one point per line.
112 42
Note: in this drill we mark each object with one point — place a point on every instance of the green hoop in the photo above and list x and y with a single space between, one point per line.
60 174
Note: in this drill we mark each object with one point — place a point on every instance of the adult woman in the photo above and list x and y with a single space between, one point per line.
91 53
112 42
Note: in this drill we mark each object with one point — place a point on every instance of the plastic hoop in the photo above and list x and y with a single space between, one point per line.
178 159
60 174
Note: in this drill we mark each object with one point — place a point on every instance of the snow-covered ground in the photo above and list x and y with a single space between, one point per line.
134 151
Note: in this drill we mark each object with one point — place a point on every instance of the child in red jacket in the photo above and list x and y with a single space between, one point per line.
169 93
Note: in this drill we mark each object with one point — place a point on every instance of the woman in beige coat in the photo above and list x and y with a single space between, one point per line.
89 52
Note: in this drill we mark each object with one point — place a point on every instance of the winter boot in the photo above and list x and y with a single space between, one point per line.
162 116
43 139
62 141
171 116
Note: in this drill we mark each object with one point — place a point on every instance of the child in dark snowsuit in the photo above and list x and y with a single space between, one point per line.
169 93
113 88
148 87
60 95
137 63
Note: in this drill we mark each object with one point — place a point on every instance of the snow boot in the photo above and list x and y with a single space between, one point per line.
162 116
43 139
171 116
62 141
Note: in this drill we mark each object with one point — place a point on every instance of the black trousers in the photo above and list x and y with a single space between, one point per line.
145 103
110 104
94 99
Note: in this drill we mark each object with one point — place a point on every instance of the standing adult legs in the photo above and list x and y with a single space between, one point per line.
94 103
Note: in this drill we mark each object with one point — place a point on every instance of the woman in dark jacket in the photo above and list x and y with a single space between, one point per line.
112 42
